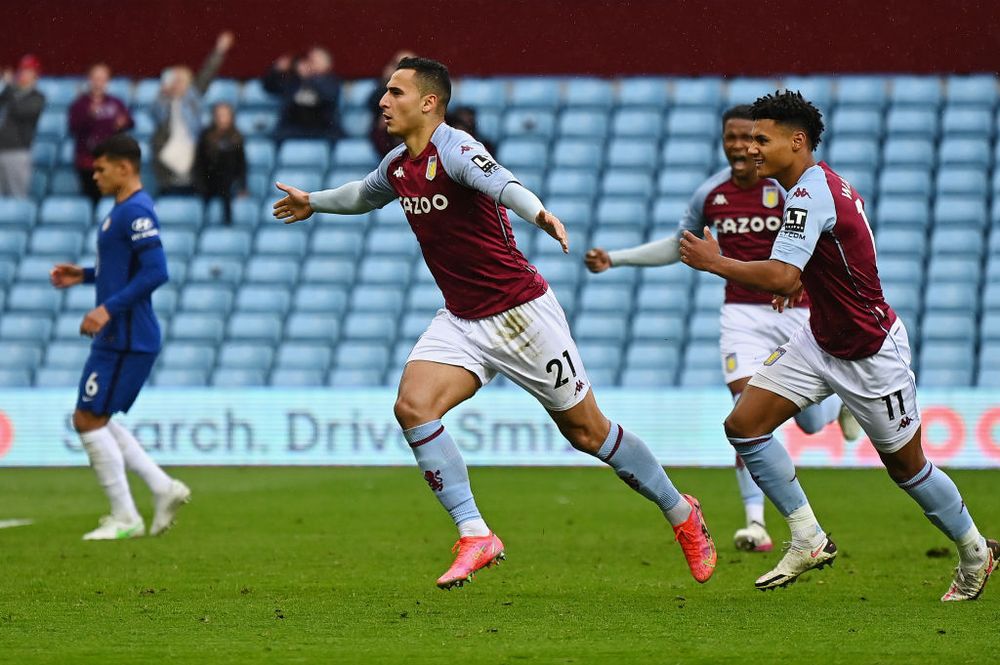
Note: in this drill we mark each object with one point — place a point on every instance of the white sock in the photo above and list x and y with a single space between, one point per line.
755 513
971 548
474 528
678 513
107 462
138 460
804 527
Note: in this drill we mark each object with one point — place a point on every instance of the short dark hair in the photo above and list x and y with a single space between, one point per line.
739 112
118 147
789 107
432 76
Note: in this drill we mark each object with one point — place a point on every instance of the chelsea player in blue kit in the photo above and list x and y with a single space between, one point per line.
130 266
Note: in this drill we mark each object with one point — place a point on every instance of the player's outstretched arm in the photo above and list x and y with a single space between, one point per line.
528 207
294 207
549 223
771 275
65 275
298 205
657 253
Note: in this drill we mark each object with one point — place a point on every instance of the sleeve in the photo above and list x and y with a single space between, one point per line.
276 82
657 253
469 163
208 70
129 120
376 189
89 276
803 222
143 240
693 219
521 200
78 116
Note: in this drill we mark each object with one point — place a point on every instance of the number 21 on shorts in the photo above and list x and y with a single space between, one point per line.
556 365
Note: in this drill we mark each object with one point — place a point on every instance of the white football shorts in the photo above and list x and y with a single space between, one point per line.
879 390
750 333
529 344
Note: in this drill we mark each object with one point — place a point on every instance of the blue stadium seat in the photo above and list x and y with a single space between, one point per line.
145 126
679 181
959 297
646 124
601 355
20 356
256 124
427 297
918 123
355 152
190 377
82 300
605 326
703 355
56 241
8 269
63 181
356 94
246 356
903 211
262 327
286 242
861 90
55 377
355 378
304 355
192 326
39 184
587 124
234 243
817 89
67 210
687 153
571 182
179 211
313 326
215 269
305 154
606 298
704 91
747 90
362 355
413 326
146 91
622 211
26 327
369 327
524 123
259 154
67 355
941 377
656 297
853 152
655 355
187 355
989 327
641 377
964 152
309 181
356 123
923 91
398 242
709 295
555 269
17 213
957 240
627 182
254 96
264 299
631 153
694 123
34 297
581 153
961 211
534 92
856 122
902 296
659 327
178 243
901 269
377 299
51 125
949 326
208 298
43 153
991 297
489 92
15 378
523 153
272 270
390 270
34 268
704 326
904 180
233 377
908 152
324 299
971 122
222 90
347 241
297 378
645 91
965 182
667 212
975 89
583 91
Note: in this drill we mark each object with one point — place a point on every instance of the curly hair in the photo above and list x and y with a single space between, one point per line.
788 107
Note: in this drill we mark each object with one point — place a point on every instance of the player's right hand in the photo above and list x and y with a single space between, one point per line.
597 260
549 223
64 275
294 207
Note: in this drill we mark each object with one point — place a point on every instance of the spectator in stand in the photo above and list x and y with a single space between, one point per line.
220 165
94 117
464 118
177 113
20 106
310 92
381 139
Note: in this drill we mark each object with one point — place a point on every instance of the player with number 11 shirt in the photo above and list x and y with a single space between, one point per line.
499 317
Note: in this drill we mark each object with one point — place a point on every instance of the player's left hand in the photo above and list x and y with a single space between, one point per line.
95 319
549 223
697 253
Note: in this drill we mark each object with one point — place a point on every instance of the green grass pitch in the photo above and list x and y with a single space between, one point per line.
337 565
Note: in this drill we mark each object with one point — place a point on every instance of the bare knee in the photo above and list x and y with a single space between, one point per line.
586 437
738 425
85 421
413 409
907 462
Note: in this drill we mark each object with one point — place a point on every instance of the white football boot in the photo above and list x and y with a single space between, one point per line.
797 561
111 528
849 425
167 505
753 538
968 584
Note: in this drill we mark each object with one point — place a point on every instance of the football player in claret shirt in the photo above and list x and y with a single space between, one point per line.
854 346
499 314
130 266
745 212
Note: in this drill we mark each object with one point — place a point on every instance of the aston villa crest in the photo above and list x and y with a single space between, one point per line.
432 167
770 197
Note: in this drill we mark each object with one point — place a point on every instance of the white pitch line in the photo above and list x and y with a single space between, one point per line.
7 524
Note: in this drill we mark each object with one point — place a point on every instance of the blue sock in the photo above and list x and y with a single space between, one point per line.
753 496
938 496
444 469
771 466
818 416
635 464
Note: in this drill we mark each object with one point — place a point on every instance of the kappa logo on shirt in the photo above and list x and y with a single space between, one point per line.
720 200
801 193
465 149
399 172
